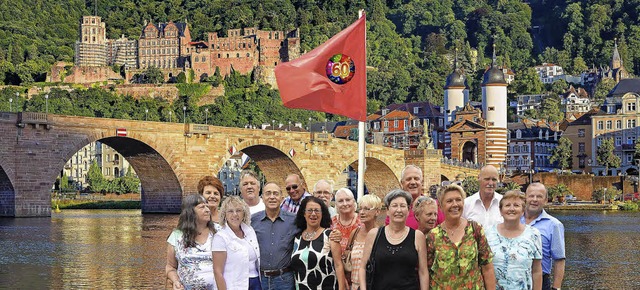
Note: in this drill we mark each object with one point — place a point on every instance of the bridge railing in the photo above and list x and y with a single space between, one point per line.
33 118
456 162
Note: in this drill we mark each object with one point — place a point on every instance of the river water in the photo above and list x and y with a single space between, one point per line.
124 249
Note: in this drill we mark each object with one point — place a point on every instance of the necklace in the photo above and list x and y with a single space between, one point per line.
350 222
449 230
404 234
309 235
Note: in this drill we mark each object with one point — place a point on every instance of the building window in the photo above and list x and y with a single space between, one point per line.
629 158
618 140
386 124
631 106
581 147
600 125
609 125
492 108
416 109
376 125
406 124
580 132
416 122
599 141
396 124
618 124
631 124
631 140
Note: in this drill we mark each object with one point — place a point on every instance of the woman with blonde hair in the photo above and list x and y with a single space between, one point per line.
458 253
369 208
236 255
517 248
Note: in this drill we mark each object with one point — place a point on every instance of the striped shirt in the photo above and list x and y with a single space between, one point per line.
291 205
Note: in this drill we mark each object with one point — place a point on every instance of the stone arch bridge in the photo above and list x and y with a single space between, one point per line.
170 158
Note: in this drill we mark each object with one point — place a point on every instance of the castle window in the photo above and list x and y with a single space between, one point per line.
218 55
237 55
227 55
492 108
248 54
197 59
204 59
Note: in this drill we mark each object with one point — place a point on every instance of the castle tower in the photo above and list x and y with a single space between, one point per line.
494 106
91 49
456 95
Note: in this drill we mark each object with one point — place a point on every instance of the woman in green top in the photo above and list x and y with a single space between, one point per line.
458 254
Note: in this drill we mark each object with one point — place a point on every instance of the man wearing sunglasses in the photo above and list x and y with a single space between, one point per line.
296 191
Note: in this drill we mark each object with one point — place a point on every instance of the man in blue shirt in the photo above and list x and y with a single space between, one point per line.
552 233
275 230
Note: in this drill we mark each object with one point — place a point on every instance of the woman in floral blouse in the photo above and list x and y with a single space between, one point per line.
189 264
458 255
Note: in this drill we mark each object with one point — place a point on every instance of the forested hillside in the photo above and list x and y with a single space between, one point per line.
410 42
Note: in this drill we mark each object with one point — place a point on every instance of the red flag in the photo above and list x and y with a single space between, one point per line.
331 78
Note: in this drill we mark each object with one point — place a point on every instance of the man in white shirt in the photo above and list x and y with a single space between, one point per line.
250 191
484 206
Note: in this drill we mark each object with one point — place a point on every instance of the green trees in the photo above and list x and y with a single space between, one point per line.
603 88
562 154
605 156
471 185
152 75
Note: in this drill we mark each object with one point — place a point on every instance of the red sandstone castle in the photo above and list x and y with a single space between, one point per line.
168 46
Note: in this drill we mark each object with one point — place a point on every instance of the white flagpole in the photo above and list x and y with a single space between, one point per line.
361 127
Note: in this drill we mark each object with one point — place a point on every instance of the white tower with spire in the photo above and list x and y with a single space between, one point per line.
456 95
494 106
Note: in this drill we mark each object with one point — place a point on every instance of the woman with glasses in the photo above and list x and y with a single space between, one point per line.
458 254
189 264
399 250
316 259
236 255
369 209
426 212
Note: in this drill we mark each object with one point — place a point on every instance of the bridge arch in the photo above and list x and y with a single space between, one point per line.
272 161
379 178
7 192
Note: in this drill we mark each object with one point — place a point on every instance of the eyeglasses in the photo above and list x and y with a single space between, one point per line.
313 210
270 193
293 186
236 211
365 209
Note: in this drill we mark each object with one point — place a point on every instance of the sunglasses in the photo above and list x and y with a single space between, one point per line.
293 186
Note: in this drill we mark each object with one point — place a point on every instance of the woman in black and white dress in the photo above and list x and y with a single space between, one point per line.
316 259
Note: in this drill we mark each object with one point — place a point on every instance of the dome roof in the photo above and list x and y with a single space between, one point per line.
456 79
493 75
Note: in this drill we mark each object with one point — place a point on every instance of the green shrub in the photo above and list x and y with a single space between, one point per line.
629 205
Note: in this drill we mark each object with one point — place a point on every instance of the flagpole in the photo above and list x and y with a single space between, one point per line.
361 127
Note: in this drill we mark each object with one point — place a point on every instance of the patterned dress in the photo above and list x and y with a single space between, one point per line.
357 251
516 256
195 265
312 263
345 230
457 266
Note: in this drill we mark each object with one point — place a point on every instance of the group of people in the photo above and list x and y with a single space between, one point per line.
300 241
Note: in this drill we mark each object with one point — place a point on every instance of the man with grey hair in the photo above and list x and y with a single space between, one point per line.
324 190
552 233
411 181
484 206
250 190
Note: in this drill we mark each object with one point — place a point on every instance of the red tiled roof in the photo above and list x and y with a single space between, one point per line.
344 131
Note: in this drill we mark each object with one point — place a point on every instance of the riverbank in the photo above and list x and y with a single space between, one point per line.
98 201
582 206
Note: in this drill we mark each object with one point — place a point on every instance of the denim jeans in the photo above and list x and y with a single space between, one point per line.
282 282
254 283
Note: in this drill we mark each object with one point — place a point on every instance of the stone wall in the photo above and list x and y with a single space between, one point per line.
582 185
167 92
83 75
